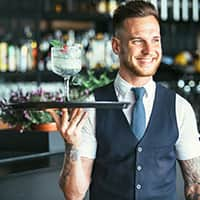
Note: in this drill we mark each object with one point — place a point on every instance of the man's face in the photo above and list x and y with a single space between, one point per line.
138 45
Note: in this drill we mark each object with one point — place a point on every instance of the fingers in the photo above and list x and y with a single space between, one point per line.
64 121
70 125
77 118
82 121
72 134
55 116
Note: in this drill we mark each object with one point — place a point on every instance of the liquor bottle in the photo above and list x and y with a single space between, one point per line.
185 10
23 58
3 57
195 10
17 57
112 5
102 6
197 62
164 10
176 10
96 58
34 54
12 65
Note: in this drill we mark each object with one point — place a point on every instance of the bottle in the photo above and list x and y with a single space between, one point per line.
58 8
112 5
23 58
102 7
12 65
197 62
34 54
17 57
97 58
3 57
29 56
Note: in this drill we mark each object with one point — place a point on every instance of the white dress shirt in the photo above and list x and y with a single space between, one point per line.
187 144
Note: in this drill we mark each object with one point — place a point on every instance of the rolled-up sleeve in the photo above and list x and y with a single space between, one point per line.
188 143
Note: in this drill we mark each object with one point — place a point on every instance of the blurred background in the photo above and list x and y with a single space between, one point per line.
27 27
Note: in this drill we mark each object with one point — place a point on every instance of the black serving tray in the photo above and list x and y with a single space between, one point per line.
54 104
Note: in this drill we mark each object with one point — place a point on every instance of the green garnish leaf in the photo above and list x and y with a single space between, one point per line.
56 43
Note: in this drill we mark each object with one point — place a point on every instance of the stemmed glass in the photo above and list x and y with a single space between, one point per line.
66 62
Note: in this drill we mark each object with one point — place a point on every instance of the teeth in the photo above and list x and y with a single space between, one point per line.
146 59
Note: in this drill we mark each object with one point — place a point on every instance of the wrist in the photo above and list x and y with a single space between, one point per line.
72 152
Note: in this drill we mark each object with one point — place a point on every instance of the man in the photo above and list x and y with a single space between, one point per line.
104 153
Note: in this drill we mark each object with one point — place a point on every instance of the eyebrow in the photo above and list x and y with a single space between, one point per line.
135 38
138 37
156 36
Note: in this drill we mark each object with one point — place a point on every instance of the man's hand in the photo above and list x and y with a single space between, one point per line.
70 125
193 193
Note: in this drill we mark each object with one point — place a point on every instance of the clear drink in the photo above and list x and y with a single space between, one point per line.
66 62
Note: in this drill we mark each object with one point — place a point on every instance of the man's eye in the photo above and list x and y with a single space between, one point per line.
136 42
156 40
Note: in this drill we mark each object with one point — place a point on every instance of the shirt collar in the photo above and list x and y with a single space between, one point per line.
122 87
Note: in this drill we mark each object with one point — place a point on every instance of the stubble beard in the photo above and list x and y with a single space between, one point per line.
138 71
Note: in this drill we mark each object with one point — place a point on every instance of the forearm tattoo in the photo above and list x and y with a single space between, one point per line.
191 174
193 197
71 154
191 170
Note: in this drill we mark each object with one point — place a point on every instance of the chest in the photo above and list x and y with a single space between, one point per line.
116 139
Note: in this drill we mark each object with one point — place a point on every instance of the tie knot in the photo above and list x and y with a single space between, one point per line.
138 92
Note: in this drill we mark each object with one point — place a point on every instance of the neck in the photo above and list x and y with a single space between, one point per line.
137 81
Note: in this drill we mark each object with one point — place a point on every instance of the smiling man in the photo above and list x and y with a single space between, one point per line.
131 154
138 45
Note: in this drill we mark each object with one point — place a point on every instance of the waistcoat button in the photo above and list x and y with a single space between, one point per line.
139 167
139 149
138 186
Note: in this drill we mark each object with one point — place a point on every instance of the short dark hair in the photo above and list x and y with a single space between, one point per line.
135 8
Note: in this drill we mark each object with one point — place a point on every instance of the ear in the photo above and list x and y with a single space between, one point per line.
116 45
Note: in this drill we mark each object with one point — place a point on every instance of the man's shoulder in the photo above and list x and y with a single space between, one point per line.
182 101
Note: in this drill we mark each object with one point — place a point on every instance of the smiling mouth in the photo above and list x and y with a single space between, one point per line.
145 60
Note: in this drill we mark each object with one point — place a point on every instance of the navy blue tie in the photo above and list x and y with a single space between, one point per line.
138 122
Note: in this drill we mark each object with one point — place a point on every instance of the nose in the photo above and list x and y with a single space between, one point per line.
147 48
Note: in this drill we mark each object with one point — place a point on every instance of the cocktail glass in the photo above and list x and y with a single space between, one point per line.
66 62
